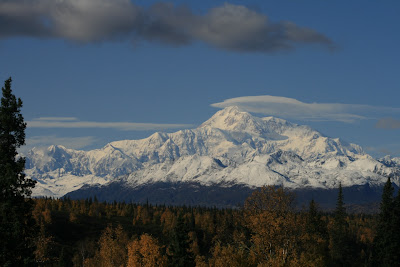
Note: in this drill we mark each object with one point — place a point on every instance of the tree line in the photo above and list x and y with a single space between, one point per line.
266 231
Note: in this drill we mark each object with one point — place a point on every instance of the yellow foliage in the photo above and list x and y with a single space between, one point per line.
193 243
145 252
113 247
168 220
112 252
73 217
228 256
268 213
42 243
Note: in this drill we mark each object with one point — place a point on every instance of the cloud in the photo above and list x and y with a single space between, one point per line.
238 28
56 119
294 109
69 122
230 27
388 123
70 142
77 20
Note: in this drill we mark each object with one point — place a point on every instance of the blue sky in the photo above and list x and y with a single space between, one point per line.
94 71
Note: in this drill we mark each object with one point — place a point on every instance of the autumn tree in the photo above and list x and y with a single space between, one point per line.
145 252
228 255
269 215
15 188
85 251
43 244
168 220
41 211
113 249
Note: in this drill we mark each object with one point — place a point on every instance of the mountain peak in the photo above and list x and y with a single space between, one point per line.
234 119
56 148
232 109
228 118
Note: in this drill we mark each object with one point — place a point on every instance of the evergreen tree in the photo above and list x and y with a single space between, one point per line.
179 248
340 211
316 244
395 247
339 241
314 223
385 251
15 209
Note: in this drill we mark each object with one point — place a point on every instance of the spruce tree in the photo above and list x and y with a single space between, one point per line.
339 241
15 188
386 229
395 247
179 246
317 232
315 225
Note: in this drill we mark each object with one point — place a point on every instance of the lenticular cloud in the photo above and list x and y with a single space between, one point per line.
294 109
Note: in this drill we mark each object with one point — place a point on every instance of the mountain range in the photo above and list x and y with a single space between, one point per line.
220 161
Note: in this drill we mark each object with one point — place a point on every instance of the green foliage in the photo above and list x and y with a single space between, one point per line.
15 209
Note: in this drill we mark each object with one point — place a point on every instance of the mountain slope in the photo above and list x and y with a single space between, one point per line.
231 148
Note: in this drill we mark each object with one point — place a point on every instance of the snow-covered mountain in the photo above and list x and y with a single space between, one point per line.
231 148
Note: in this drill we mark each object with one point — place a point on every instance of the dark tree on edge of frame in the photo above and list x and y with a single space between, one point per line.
16 223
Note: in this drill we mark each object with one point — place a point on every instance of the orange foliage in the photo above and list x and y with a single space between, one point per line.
42 243
168 220
228 256
145 252
268 213
112 252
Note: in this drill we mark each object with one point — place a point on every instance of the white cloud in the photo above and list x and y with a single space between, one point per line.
71 122
56 119
294 109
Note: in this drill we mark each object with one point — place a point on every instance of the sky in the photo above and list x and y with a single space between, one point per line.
94 71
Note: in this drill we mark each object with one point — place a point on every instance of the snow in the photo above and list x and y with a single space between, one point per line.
253 151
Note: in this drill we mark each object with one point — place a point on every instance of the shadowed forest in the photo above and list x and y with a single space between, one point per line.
266 231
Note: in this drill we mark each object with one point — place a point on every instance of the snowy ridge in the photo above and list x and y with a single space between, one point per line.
232 147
